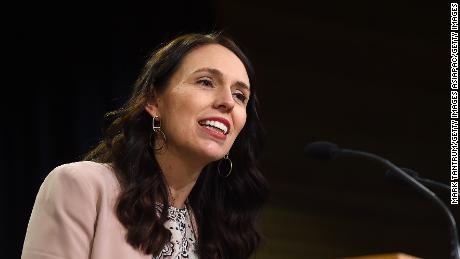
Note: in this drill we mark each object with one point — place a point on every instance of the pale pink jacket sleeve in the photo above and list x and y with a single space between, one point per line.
63 217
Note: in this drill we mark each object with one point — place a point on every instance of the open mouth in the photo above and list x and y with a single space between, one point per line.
215 125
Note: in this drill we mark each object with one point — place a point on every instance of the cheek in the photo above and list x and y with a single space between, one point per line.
240 120
181 112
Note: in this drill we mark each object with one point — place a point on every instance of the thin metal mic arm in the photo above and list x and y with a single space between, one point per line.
392 175
415 184
433 183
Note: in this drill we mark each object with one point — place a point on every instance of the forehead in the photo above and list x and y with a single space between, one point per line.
214 56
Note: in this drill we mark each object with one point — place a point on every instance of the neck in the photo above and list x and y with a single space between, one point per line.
180 173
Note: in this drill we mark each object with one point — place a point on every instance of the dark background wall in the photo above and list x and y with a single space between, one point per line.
367 76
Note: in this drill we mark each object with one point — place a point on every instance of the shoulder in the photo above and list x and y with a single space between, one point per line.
66 211
87 170
86 176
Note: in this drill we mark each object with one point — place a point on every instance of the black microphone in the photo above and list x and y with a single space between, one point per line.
326 150
393 176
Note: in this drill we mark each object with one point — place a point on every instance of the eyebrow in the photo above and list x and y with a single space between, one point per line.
220 75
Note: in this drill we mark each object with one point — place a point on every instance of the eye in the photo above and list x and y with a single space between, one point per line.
205 82
240 96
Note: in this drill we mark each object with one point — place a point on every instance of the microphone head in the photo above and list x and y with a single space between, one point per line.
322 150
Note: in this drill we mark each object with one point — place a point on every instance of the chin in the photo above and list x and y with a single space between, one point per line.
215 156
210 151
212 154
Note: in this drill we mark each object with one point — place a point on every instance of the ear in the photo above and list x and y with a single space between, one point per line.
152 107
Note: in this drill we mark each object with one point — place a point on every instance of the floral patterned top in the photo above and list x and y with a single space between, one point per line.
182 243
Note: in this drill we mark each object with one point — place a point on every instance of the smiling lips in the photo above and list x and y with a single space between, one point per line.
218 127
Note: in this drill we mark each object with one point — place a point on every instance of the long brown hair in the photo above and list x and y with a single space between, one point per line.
225 208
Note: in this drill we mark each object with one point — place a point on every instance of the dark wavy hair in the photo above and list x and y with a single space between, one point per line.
226 209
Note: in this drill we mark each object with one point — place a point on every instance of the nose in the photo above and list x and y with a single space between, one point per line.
224 100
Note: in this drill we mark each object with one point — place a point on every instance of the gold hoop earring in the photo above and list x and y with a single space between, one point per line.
156 126
230 166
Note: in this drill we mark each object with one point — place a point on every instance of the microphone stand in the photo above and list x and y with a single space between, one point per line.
390 174
455 253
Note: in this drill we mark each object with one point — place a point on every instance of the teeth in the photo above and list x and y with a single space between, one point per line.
215 124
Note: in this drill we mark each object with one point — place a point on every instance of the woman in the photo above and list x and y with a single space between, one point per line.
175 175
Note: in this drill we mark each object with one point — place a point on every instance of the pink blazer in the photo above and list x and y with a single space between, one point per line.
73 216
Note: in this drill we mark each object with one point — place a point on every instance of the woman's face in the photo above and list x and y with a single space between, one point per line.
203 108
